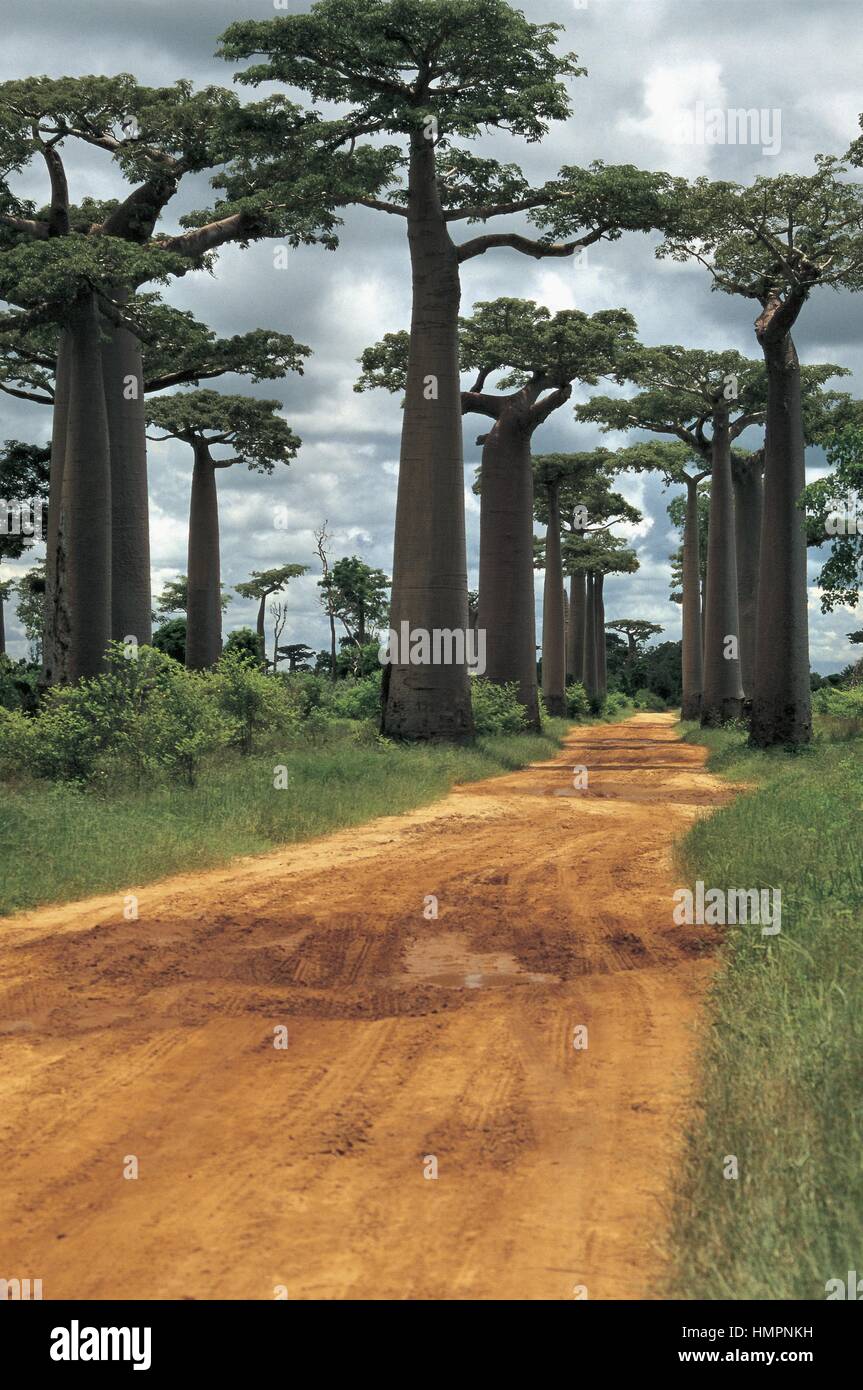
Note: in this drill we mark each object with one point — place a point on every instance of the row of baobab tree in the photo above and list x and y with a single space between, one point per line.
413 82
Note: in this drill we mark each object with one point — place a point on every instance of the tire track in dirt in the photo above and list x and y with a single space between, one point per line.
408 1038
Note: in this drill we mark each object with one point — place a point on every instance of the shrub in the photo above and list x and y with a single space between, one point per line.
15 743
496 708
305 691
577 703
356 699
249 700
616 702
648 700
846 704
184 723
18 684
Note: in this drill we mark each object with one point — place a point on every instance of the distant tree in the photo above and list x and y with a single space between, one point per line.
243 640
31 607
257 436
297 656
261 586
170 638
358 597
322 536
174 597
636 631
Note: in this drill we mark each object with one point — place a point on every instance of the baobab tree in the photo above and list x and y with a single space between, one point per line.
357 595
79 266
636 631
261 585
773 243
522 360
573 498
706 400
258 437
432 74
178 349
596 556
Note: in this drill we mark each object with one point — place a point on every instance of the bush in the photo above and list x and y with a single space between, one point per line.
846 704
141 715
18 684
15 743
356 699
577 703
615 702
305 691
648 700
183 724
249 700
496 708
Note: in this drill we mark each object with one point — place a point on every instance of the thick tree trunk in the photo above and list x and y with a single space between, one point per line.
553 638
591 673
131 599
781 703
204 609
2 626
429 593
55 637
692 660
507 613
599 625
748 480
575 632
722 690
87 499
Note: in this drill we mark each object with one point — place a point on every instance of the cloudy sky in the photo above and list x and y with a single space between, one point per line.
649 63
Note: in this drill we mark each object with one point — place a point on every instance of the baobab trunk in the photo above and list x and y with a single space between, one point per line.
429 593
748 482
506 603
87 499
591 674
692 661
575 631
599 626
781 703
55 637
553 639
722 691
204 608
123 372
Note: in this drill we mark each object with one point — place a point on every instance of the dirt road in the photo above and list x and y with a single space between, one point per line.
410 1039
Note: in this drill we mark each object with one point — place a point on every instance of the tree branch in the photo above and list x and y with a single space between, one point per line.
526 245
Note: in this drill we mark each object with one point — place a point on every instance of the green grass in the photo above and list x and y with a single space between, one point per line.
58 843
782 1052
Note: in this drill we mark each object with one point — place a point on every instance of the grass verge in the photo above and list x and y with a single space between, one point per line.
782 1051
58 843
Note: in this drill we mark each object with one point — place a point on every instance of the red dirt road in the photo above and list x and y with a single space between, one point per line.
409 1039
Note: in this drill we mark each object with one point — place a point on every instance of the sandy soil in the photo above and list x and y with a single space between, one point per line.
410 1038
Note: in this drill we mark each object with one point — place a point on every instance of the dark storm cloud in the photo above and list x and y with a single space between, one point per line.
647 59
